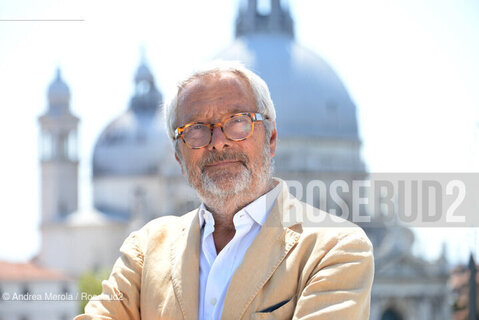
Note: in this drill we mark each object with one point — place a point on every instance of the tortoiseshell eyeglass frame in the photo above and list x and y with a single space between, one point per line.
254 116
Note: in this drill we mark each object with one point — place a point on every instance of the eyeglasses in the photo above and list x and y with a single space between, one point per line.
238 127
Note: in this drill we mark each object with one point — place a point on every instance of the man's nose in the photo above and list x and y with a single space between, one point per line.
218 140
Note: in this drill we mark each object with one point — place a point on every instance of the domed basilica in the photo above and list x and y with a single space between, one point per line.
136 178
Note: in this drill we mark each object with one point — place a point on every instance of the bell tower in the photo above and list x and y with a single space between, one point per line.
58 155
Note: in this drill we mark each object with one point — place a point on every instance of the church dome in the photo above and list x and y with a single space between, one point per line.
309 97
58 91
135 142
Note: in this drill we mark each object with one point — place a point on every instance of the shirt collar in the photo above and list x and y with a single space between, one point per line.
204 214
258 210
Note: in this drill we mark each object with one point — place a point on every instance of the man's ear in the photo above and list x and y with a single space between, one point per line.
178 159
273 139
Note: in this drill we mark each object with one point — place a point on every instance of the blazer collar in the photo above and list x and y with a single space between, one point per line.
263 257
185 266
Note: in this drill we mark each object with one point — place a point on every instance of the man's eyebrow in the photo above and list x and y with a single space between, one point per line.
197 117
240 108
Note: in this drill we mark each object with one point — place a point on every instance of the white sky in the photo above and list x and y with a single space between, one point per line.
410 66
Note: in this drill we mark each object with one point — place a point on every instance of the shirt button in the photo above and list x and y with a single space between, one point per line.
213 301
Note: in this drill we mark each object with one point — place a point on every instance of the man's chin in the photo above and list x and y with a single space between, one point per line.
225 184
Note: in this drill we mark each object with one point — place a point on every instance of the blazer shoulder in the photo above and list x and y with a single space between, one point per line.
169 221
324 226
162 227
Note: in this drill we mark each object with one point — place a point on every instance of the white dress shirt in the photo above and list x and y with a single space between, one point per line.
216 270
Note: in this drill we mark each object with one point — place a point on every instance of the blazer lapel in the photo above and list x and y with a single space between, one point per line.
271 245
185 260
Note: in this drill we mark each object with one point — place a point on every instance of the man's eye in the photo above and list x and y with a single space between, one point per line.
197 127
239 120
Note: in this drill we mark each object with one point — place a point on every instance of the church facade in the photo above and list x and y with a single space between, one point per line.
136 178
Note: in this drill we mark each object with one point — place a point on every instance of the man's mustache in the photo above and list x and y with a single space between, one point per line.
215 156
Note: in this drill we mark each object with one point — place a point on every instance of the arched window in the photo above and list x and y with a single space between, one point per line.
391 314
46 145
264 6
143 88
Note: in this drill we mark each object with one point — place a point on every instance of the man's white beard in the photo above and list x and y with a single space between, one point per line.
238 184
234 189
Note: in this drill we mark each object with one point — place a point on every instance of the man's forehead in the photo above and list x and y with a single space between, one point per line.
226 88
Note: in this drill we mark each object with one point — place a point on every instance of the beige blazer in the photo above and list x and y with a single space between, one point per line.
292 270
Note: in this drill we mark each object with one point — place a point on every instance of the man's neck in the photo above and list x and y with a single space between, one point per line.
225 211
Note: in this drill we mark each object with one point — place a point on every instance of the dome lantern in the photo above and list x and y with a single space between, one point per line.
143 73
147 98
251 21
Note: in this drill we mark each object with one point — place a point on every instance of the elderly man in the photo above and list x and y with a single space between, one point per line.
245 253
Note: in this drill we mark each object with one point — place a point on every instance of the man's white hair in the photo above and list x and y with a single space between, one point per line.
260 90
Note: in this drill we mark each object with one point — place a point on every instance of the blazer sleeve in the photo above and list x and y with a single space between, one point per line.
120 297
340 286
